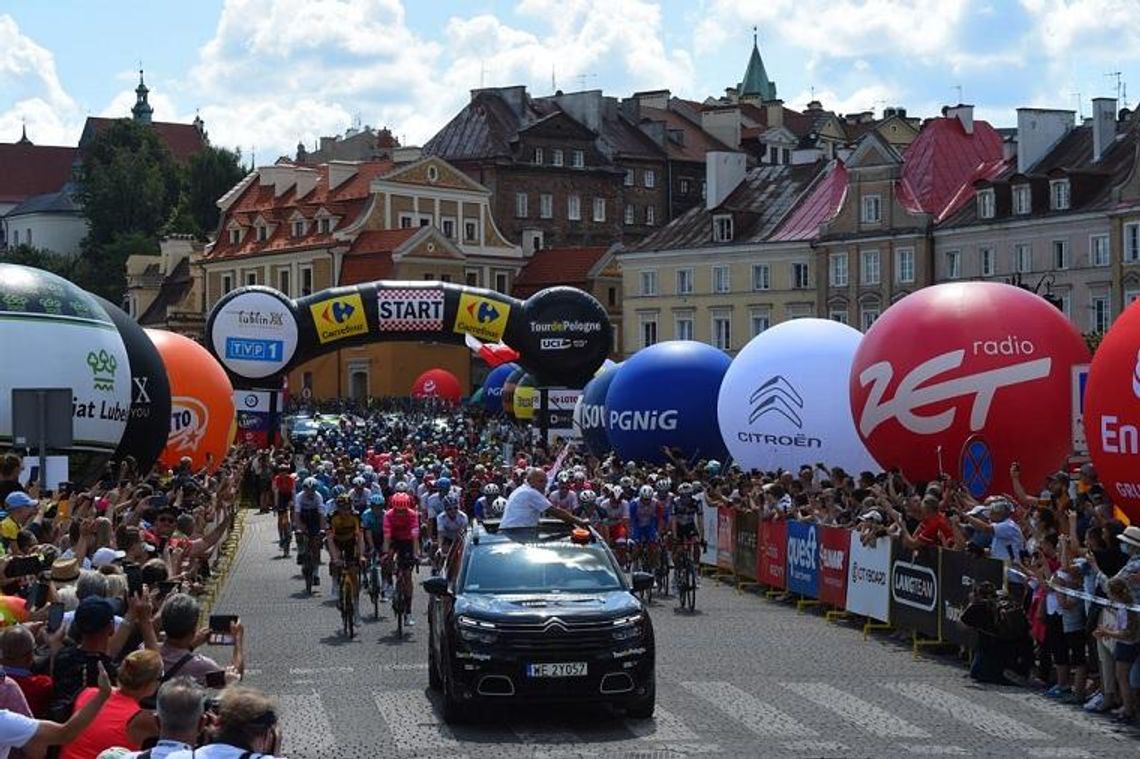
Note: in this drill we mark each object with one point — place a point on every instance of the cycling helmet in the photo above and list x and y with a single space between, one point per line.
443 484
376 499
698 488
713 467
398 469
684 489
663 485
491 489
450 502
579 476
563 478
338 490
342 501
497 507
302 474
309 483
626 482
652 477
418 471
645 492
401 487
358 481
587 496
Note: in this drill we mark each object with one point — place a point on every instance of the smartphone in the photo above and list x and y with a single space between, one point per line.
166 587
55 617
220 629
216 680
34 477
134 578
37 594
23 565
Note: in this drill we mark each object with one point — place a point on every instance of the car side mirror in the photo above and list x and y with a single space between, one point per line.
437 586
641 581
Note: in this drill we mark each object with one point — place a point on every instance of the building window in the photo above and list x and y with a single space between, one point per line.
648 283
1066 304
16 238
326 225
1132 242
536 240
1060 254
298 228
870 267
1022 258
1101 314
283 281
546 205
1099 246
235 237
449 229
838 315
648 330
867 317
306 281
520 205
471 277
650 216
761 277
556 157
953 264
470 231
425 221
227 283
250 278
722 330
650 177
685 186
837 270
986 260
502 282
630 214
799 276
1059 194
704 189
761 320
578 159
683 328
1022 199
985 204
684 281
428 276
444 277
722 228
629 177
406 221
904 265
538 156
574 208
599 209
872 209
721 281
612 296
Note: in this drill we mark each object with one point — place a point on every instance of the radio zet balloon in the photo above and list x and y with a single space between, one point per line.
967 379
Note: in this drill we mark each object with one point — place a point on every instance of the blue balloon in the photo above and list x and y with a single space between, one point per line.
666 395
593 421
493 387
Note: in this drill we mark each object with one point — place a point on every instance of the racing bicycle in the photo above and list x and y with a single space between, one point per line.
685 575
309 557
402 592
346 600
372 580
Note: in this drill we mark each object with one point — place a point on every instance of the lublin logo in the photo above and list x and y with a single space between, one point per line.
777 395
103 366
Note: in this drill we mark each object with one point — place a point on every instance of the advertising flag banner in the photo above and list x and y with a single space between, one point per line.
725 537
914 590
834 551
745 555
868 572
773 554
803 558
959 573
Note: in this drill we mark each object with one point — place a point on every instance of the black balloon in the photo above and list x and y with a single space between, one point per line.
149 423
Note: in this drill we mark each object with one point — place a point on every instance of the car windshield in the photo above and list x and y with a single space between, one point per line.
511 567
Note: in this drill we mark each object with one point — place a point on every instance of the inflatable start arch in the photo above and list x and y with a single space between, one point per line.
258 334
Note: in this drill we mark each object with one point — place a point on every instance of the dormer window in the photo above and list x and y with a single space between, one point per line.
299 228
235 236
1022 199
538 156
722 228
872 209
325 225
985 204
556 157
262 233
1059 194
578 159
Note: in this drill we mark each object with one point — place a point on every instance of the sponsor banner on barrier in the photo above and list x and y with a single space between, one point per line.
803 558
834 551
725 537
418 309
914 590
959 571
339 317
257 401
773 554
744 555
481 317
709 529
868 579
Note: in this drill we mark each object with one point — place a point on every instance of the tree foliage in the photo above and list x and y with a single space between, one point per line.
209 175
56 263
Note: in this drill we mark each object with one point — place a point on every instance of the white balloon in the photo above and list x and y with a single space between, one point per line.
785 403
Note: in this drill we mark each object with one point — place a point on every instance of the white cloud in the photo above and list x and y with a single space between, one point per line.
871 98
1103 30
28 76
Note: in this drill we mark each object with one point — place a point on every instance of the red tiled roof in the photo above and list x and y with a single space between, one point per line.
381 240
557 266
941 160
367 267
822 203
183 140
27 170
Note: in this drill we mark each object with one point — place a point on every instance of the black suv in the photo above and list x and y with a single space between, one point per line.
537 615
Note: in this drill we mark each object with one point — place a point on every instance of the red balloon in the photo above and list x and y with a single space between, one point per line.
978 363
437 383
1112 412
201 403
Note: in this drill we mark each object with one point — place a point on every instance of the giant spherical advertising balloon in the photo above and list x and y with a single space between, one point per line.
593 412
784 400
149 423
968 378
56 335
1112 412
201 403
493 387
508 395
437 383
665 395
525 399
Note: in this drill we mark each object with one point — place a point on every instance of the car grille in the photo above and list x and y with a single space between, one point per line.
556 634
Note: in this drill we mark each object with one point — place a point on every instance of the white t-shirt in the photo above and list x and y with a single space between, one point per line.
525 507
15 731
217 751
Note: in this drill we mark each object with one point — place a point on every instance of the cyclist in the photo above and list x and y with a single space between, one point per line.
590 510
373 524
346 541
401 539
616 508
686 519
359 495
490 493
645 516
434 503
562 496
449 526
283 494
496 508
308 514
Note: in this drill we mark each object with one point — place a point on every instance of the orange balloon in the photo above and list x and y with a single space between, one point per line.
201 403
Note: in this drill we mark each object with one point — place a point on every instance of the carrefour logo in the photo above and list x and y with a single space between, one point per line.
339 317
338 312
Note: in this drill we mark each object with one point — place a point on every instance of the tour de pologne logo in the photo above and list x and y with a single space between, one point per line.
189 418
777 396
103 366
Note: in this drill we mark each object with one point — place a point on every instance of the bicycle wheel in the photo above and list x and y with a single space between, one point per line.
374 590
307 571
691 581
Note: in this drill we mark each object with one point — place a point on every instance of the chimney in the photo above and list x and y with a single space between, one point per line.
584 107
964 114
658 99
340 172
723 123
775 112
408 154
306 181
1038 130
1104 125
723 173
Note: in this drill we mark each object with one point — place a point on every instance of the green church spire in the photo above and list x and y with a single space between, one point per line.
756 83
142 110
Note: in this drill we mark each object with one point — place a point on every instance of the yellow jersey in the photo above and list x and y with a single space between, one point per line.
344 527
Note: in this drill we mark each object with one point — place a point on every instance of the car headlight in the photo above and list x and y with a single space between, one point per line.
476 630
627 628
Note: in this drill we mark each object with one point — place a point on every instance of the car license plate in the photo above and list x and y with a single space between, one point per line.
561 669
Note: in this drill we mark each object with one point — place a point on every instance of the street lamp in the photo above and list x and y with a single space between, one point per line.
1048 279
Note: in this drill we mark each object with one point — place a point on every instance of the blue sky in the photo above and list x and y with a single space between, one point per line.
267 73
